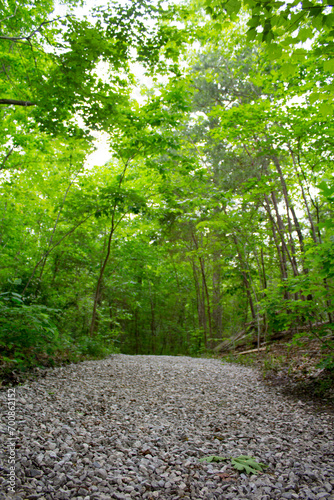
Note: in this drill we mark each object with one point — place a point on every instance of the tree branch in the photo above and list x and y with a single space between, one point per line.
17 103
9 17
28 37
6 158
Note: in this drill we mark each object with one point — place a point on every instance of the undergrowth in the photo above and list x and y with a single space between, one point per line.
30 340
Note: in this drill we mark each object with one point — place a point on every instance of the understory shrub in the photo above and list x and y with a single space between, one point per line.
26 331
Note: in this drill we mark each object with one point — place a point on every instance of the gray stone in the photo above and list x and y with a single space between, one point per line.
134 427
34 473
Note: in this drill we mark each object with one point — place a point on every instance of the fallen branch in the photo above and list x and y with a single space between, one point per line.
252 350
229 344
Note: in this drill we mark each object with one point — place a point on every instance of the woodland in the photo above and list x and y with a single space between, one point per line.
213 216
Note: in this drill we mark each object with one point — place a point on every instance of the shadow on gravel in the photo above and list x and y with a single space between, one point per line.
317 392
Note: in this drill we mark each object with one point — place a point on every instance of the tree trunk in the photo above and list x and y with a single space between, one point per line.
280 229
280 250
289 207
309 215
217 312
152 322
114 225
243 266
205 289
99 282
200 302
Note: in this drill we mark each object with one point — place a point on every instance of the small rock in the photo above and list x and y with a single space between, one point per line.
34 473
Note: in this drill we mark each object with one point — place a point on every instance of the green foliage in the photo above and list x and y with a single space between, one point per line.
26 331
51 63
247 464
244 359
196 343
99 346
327 363
243 463
272 363
214 215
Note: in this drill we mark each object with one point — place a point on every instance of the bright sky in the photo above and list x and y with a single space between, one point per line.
102 153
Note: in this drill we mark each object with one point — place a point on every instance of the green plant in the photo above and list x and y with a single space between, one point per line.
247 464
26 329
248 360
243 463
272 363
327 363
196 345
96 347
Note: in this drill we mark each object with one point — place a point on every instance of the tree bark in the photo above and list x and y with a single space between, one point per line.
205 288
200 303
280 251
280 229
99 283
309 215
289 207
244 277
216 306
113 227
14 102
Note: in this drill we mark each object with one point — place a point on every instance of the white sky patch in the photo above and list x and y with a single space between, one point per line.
4 177
142 80
102 153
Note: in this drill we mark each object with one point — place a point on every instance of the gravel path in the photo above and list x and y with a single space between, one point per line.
135 427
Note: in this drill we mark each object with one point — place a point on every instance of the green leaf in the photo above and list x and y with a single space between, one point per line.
299 55
329 19
289 69
329 66
326 109
247 464
251 34
326 188
314 97
233 6
274 51
304 34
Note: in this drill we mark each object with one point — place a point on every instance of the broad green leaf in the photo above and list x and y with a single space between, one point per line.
326 109
329 65
274 51
289 69
247 464
304 34
251 34
315 96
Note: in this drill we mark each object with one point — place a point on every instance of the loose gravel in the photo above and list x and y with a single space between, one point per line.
135 427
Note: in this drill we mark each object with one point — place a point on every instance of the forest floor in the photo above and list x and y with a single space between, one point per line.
132 427
293 368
